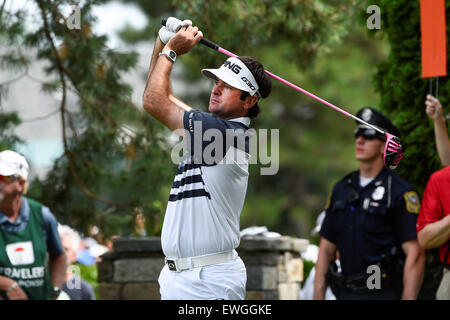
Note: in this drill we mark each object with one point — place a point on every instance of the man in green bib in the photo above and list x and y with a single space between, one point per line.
32 260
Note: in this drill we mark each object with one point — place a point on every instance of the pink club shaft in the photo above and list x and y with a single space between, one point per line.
228 53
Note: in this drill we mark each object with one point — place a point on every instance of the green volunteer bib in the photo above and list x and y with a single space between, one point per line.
23 256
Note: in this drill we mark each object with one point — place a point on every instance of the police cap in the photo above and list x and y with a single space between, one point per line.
376 118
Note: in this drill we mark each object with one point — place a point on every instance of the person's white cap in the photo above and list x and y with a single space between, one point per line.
236 74
12 163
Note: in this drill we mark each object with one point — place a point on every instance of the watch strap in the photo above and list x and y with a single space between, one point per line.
169 54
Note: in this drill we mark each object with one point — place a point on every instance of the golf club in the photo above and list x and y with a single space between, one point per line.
393 151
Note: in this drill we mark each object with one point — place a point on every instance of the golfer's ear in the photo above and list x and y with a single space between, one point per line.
250 101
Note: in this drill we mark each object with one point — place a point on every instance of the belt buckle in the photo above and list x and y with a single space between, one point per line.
172 265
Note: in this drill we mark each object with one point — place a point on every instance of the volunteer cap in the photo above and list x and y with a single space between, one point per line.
12 163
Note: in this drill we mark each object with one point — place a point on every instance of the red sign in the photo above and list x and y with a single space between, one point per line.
434 42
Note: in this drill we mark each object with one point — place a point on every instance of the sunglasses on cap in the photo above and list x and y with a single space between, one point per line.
7 178
368 134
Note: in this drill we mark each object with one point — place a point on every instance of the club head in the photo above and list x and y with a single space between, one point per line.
393 151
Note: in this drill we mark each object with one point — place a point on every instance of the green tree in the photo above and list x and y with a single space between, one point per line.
115 156
318 45
116 159
7 137
403 91
11 28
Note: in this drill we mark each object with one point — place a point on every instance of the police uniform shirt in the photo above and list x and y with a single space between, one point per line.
206 199
366 222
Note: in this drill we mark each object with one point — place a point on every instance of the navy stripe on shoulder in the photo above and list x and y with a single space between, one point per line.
187 180
190 194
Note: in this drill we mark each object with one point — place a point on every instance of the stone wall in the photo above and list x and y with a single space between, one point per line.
131 270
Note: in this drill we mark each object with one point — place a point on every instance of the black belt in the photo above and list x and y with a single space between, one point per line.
355 281
358 282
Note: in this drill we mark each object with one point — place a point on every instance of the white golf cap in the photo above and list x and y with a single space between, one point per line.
236 74
12 163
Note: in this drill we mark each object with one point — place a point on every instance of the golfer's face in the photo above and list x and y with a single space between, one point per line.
368 149
225 101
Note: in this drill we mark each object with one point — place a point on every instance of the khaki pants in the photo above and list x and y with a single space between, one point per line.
443 292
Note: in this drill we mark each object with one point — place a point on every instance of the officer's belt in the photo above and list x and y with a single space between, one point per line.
180 264
355 281
358 282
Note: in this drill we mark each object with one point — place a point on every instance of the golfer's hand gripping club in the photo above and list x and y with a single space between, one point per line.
203 41
393 151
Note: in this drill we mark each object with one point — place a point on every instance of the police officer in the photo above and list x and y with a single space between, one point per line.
371 220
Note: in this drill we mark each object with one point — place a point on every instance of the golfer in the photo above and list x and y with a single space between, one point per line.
201 224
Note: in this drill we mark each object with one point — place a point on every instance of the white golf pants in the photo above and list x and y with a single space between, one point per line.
220 281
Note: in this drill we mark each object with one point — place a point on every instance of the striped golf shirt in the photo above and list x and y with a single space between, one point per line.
206 199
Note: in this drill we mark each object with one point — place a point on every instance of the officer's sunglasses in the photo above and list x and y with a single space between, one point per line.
7 178
368 134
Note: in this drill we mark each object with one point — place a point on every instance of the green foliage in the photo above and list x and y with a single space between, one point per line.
316 142
11 29
317 45
7 137
403 91
115 156
90 275
304 27
307 267
116 161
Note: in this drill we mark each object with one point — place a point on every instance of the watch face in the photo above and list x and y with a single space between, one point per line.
172 54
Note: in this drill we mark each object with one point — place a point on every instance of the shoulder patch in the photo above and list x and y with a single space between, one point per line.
412 201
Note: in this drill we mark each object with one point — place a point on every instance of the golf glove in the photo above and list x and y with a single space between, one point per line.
172 26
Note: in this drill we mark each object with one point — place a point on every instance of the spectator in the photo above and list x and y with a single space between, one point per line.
75 287
435 112
28 233
433 224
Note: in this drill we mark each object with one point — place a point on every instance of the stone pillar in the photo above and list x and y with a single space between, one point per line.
131 270
274 267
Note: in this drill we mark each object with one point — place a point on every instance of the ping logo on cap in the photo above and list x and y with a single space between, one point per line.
232 66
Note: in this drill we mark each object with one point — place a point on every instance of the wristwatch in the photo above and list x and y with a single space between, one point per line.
56 291
170 54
